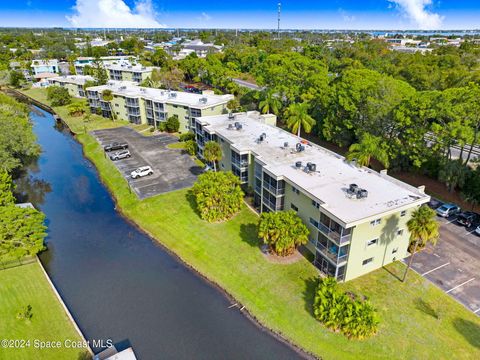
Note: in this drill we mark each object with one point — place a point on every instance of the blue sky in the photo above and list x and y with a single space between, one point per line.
296 14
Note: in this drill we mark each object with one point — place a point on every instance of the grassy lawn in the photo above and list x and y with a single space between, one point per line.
417 319
27 285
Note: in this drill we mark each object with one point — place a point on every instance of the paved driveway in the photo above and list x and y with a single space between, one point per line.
454 263
172 169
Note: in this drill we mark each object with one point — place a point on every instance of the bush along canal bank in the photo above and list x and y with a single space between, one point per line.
239 336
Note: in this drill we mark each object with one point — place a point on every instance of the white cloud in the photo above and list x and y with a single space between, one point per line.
113 13
419 12
346 18
204 17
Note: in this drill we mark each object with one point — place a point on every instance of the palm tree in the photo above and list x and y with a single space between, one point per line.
423 229
270 103
298 117
107 96
212 152
369 147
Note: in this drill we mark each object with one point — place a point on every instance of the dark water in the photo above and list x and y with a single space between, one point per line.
119 284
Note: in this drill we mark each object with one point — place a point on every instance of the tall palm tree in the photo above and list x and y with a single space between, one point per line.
270 103
298 117
369 147
107 96
212 152
423 229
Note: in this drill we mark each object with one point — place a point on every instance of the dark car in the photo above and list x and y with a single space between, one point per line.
115 146
434 203
467 218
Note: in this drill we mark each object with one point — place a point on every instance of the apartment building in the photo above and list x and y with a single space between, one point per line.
141 105
126 72
73 83
44 67
357 217
83 61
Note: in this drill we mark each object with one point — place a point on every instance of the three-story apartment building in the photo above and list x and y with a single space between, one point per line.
126 72
73 83
141 105
357 217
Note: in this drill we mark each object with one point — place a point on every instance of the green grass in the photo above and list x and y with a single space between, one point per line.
280 296
177 145
27 285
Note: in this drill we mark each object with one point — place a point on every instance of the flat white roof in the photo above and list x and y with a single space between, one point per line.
45 62
130 68
333 175
73 79
199 101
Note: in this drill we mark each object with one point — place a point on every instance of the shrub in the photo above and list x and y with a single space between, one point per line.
172 124
76 109
191 147
218 195
282 231
356 319
162 126
187 136
58 96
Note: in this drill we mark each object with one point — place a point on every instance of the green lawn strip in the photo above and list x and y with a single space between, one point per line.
177 145
280 296
27 285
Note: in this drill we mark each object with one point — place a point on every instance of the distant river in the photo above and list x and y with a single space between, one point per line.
117 282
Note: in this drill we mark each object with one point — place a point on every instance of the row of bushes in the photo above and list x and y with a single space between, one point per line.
339 311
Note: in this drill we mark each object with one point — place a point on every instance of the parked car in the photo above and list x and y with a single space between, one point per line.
115 146
477 230
120 155
467 218
141 172
434 204
447 210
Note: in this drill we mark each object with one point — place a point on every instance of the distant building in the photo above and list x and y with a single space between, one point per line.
141 105
73 83
198 47
81 62
357 217
126 72
44 66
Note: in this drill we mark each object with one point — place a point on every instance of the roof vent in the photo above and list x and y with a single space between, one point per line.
231 116
285 144
172 94
299 147
203 100
230 127
261 138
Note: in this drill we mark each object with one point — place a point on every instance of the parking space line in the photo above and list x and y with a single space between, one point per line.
449 222
435 254
456 287
438 267
476 311
470 232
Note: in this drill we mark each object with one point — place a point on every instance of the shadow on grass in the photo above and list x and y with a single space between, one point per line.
193 203
469 330
396 274
248 234
309 294
426 308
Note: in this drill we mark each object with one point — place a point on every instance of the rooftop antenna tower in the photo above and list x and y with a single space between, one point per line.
278 20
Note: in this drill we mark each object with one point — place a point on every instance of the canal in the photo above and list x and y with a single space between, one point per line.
118 283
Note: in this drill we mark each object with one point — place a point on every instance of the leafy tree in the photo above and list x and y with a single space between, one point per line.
99 72
270 103
453 173
369 147
107 96
191 147
172 124
282 231
233 105
423 228
356 319
212 152
16 78
186 136
6 189
76 109
298 117
218 195
58 96
21 232
471 189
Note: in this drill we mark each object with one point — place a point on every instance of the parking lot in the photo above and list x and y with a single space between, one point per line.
172 169
454 263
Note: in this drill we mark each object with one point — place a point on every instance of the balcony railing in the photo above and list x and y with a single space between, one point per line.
274 190
240 163
334 235
273 206
332 254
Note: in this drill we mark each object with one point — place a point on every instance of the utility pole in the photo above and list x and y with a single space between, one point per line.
278 20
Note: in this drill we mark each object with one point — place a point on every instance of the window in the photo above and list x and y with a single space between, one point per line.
367 261
116 105
294 207
314 222
295 190
394 251
372 242
315 204
403 213
221 140
400 232
375 222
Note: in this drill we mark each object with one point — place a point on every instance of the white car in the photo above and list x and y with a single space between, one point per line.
477 230
141 172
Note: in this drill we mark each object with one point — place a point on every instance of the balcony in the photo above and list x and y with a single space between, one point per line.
273 190
332 253
334 235
240 163
273 206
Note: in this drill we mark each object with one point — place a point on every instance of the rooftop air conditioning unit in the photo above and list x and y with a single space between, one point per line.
285 144
238 126
231 116
230 127
362 193
299 147
312 167
298 164
261 138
